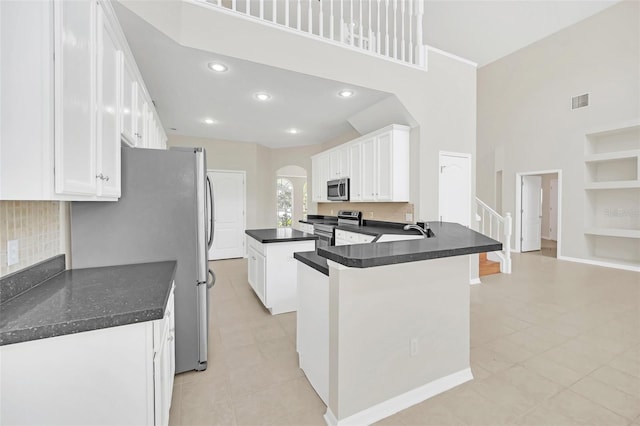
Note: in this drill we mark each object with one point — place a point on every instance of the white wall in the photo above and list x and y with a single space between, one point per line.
525 121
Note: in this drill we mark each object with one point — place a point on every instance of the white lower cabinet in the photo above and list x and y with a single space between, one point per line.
118 375
305 227
272 272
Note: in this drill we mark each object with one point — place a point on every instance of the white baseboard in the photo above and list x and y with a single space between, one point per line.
601 263
398 403
475 281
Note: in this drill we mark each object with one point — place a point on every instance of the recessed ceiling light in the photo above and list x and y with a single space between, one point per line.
262 96
293 131
346 93
209 120
217 67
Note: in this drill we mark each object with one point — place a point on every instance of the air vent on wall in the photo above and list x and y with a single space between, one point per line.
580 101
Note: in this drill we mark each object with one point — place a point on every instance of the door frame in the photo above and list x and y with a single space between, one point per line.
468 156
244 200
517 232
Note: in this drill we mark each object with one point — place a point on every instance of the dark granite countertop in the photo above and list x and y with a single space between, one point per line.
451 239
79 300
312 259
279 235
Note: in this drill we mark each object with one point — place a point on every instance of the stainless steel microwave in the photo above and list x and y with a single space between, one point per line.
338 189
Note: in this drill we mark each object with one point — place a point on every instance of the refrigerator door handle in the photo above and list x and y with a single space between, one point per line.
213 279
212 213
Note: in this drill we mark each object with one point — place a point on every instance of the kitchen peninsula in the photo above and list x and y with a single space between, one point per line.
384 326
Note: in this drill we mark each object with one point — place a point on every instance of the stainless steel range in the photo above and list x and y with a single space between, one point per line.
326 231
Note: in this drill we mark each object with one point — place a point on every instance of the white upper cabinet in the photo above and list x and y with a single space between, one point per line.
69 89
377 165
339 163
75 97
109 84
355 167
320 170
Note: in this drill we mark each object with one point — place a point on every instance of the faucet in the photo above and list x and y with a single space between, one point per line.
418 228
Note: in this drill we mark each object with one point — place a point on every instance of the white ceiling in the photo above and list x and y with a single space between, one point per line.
186 91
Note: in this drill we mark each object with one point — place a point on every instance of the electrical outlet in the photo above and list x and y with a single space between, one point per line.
370 214
331 212
408 217
414 346
13 256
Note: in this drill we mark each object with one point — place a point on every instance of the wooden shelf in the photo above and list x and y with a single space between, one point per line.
620 184
613 232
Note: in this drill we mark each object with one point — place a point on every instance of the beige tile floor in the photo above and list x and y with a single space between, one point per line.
554 343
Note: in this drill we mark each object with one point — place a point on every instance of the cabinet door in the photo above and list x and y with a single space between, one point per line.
128 104
75 83
368 170
384 163
344 168
355 173
140 116
315 179
108 134
252 266
334 165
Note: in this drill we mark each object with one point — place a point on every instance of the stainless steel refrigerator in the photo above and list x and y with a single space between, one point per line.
165 213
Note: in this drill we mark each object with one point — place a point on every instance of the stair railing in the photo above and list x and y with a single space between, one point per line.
498 227
392 29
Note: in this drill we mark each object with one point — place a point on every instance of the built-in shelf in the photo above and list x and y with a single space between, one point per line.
620 184
612 181
613 232
612 156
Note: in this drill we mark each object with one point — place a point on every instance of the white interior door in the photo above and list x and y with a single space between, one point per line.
229 219
455 188
553 210
531 222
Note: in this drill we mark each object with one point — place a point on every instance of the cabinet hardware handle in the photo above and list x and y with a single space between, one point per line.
170 338
102 177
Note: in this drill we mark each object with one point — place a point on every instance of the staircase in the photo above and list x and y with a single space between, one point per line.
488 267
498 227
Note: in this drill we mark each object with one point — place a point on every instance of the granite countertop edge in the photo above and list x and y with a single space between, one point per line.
313 260
32 319
271 235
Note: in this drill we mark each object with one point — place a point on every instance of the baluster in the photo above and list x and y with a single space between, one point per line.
309 19
261 9
233 5
402 16
369 32
299 12
491 227
420 53
286 13
395 29
360 21
483 221
386 28
247 7
378 30
274 9
219 3
321 21
410 31
352 28
341 21
331 20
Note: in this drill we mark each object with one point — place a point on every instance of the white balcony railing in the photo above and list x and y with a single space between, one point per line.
390 28
493 225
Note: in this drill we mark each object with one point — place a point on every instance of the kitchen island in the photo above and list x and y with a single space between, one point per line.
272 270
388 326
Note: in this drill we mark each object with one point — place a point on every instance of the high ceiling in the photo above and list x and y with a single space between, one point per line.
187 93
